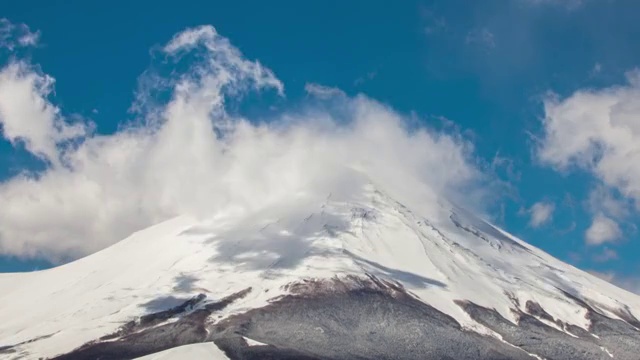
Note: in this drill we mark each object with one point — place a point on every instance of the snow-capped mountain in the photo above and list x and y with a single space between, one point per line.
357 275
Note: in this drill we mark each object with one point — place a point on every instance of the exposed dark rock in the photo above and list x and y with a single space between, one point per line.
10 349
7 349
536 310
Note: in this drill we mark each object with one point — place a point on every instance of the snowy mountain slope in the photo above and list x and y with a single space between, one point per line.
194 351
355 275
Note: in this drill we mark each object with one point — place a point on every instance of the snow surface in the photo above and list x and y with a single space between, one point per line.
208 351
439 257
252 342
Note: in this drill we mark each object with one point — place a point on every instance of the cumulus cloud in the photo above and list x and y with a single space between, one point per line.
597 130
16 35
602 230
190 155
541 213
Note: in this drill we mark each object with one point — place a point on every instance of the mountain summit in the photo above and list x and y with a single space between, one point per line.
354 275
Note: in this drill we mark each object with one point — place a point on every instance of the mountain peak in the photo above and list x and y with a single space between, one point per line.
448 265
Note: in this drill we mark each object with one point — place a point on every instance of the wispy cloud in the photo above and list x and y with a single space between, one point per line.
28 118
596 69
541 213
16 35
433 23
507 164
368 77
482 37
606 255
603 200
321 91
569 228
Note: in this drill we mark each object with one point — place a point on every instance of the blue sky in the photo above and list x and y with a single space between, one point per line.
486 67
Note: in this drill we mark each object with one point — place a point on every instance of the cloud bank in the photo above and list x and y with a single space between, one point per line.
190 155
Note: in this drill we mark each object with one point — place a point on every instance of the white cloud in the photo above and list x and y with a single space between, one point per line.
602 230
321 91
26 116
16 35
225 66
597 130
603 200
190 156
541 213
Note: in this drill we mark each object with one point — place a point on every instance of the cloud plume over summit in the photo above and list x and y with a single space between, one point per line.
190 155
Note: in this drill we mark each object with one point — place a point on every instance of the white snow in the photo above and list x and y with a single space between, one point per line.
365 231
252 342
607 351
208 351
